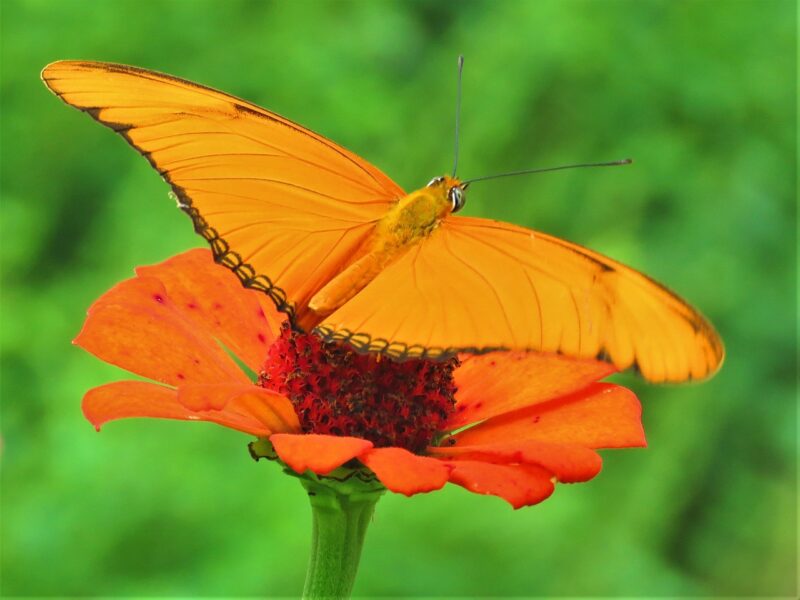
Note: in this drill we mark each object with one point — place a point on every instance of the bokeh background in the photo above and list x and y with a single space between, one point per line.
700 93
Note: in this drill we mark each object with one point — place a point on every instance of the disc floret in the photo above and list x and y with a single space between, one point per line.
338 392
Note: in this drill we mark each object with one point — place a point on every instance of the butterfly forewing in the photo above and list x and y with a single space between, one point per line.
281 205
477 284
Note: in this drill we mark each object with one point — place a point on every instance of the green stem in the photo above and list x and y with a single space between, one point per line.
340 520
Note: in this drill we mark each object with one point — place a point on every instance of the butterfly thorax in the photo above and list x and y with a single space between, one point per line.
413 218
407 223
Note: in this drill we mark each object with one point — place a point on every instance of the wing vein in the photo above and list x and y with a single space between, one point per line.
488 285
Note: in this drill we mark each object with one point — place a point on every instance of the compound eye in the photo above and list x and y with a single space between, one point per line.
457 198
434 181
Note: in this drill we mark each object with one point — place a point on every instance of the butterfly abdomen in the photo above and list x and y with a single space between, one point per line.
407 223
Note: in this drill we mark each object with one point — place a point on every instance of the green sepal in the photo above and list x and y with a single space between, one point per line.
262 448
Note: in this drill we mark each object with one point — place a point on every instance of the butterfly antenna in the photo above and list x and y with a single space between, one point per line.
614 163
458 109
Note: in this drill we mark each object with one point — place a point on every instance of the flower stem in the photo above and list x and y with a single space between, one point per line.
341 515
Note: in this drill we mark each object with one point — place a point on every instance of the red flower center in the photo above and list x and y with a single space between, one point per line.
339 392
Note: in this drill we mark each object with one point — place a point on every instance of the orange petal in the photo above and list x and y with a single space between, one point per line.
124 399
214 300
318 453
209 396
569 463
272 410
518 485
499 382
136 326
406 473
601 416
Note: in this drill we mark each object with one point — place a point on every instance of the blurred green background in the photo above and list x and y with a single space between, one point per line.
700 93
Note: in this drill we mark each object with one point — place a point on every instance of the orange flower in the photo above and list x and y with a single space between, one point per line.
507 424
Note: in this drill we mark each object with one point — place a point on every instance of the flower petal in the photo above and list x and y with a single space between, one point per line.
499 382
272 410
404 472
518 485
568 462
318 453
215 301
124 399
601 416
136 326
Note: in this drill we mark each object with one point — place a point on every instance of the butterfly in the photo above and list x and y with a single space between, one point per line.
344 251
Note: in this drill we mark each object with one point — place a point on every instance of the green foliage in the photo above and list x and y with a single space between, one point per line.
700 94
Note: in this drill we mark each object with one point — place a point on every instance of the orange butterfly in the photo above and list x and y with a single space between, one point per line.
343 250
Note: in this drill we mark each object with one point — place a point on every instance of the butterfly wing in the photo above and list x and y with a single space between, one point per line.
286 209
475 285
283 207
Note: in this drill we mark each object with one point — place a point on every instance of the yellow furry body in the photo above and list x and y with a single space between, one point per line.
407 223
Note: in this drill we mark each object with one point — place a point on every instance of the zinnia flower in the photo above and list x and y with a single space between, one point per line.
508 424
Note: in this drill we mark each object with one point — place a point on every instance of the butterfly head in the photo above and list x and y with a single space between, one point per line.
453 189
